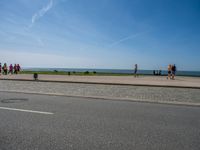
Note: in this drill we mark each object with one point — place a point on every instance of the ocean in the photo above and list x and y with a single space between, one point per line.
125 71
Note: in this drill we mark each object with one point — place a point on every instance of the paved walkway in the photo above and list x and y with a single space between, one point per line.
185 96
189 82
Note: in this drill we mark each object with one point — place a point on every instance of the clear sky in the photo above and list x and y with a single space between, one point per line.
112 34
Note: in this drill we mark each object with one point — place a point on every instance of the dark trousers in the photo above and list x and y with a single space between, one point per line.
5 71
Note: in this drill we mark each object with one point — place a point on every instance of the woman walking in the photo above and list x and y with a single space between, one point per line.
173 71
169 71
0 68
5 69
10 69
18 68
15 69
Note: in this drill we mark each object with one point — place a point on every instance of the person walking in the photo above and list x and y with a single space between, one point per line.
10 69
135 70
0 68
169 68
15 69
173 71
5 69
18 68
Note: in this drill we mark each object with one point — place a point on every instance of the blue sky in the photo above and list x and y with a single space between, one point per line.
112 34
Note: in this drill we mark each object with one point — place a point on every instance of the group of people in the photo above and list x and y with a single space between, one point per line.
171 71
157 72
4 69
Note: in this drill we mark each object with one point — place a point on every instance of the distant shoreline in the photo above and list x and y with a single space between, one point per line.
102 72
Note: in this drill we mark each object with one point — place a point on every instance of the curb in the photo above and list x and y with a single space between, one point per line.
119 84
111 98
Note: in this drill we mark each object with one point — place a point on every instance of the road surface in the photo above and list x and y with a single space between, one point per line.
39 122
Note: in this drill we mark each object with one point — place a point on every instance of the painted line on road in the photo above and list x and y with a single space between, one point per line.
24 110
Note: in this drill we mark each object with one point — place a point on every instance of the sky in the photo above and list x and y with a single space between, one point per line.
103 34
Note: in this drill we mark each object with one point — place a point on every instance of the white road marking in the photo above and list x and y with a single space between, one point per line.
24 110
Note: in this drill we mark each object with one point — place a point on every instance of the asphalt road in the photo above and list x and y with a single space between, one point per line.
39 122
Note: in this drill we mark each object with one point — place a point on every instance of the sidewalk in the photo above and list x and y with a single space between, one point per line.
160 81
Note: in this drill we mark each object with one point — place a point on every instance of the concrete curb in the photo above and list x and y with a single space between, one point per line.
110 98
119 84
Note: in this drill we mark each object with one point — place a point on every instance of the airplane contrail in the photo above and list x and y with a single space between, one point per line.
124 39
40 13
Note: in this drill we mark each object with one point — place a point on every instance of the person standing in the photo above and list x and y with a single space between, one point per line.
135 70
160 72
154 72
173 71
169 68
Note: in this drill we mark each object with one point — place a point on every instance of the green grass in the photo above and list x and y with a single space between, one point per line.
72 73
75 73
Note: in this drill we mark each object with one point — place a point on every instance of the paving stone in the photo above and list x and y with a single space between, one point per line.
110 91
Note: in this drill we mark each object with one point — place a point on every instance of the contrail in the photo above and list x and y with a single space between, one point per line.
124 39
41 12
